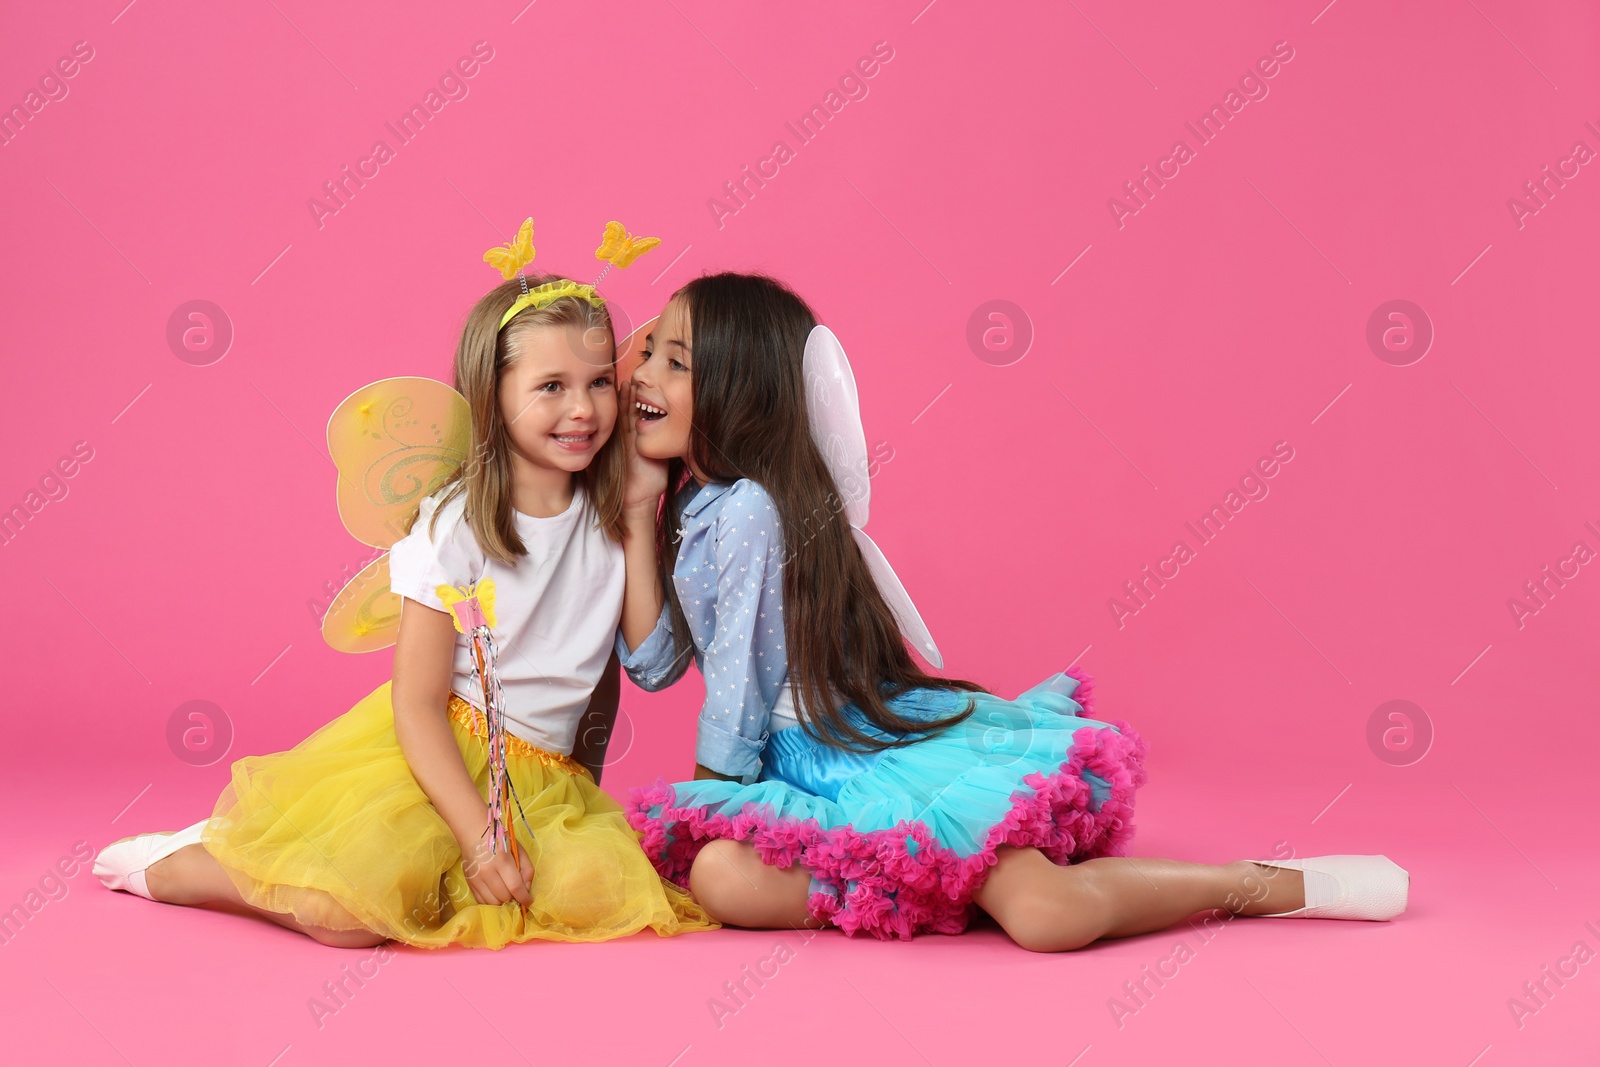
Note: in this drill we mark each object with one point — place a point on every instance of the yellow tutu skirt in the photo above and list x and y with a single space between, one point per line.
337 833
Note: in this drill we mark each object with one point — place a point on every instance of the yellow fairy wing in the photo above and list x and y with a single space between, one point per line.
620 248
365 616
394 442
514 254
628 351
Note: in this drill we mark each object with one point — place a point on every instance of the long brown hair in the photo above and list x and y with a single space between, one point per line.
750 421
486 351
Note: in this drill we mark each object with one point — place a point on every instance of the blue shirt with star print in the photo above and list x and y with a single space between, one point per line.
729 580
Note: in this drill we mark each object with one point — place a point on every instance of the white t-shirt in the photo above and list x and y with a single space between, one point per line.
557 610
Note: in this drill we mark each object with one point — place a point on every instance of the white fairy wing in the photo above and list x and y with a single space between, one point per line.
834 409
905 612
835 412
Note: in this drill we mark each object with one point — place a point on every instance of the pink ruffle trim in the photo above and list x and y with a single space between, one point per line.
1085 691
900 882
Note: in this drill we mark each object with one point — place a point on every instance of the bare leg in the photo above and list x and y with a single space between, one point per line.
737 889
1043 907
1048 908
192 877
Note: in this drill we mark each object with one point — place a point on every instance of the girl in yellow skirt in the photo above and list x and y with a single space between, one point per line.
446 807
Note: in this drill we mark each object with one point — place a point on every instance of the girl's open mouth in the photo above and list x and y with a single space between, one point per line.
574 442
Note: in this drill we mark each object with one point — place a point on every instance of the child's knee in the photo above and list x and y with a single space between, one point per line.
736 888
715 880
1051 910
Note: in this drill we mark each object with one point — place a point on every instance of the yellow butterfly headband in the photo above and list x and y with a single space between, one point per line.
618 248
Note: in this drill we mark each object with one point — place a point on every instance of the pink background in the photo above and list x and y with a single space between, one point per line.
1228 314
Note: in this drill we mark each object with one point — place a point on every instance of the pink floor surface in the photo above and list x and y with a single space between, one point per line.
1498 893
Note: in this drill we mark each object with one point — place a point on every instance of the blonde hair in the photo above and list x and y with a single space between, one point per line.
486 351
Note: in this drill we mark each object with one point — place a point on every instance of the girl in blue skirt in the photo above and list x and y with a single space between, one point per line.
838 783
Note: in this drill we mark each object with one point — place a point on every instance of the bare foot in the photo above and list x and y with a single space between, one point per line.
1269 890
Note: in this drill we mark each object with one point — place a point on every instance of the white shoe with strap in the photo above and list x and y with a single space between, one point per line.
122 865
1347 887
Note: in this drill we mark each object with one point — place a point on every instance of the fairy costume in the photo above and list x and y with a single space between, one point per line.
896 841
336 831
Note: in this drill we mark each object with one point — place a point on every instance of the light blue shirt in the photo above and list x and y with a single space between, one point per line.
729 580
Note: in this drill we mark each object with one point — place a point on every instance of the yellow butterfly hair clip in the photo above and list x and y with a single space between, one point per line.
620 248
514 254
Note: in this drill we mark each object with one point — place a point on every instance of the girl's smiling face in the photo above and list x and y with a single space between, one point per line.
559 396
664 387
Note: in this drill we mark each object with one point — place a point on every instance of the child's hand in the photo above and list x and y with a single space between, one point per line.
647 478
495 877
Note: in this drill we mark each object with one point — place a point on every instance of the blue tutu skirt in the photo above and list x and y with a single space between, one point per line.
898 841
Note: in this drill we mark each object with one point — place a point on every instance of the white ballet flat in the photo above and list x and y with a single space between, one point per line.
1347 887
121 865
